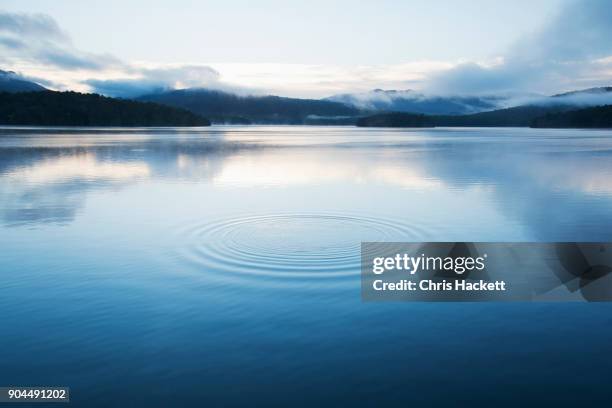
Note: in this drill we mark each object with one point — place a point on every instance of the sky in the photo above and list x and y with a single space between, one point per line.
309 49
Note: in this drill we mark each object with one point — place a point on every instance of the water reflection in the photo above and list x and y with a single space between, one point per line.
47 180
80 167
282 167
553 184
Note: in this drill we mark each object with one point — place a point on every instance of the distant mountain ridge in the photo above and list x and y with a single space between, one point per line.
222 106
13 82
419 103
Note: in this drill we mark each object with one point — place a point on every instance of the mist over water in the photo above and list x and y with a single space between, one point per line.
220 266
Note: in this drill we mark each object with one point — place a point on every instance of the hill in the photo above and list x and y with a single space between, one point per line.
520 116
595 117
50 108
219 106
12 82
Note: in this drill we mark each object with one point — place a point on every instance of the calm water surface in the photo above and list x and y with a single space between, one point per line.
219 266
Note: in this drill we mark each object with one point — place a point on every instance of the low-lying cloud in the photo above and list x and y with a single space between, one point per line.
148 80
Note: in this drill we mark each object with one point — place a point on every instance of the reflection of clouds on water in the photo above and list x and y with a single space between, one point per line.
589 172
81 167
559 189
569 198
291 167
49 182
52 189
22 204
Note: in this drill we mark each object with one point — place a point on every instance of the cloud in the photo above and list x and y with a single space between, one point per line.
473 78
30 26
37 38
581 31
147 80
316 81
566 53
588 97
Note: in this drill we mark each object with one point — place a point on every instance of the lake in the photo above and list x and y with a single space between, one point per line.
220 266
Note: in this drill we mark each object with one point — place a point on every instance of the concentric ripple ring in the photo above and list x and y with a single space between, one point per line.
288 246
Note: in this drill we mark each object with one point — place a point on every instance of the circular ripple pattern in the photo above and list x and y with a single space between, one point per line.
289 245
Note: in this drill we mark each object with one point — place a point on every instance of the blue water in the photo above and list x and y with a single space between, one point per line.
219 266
